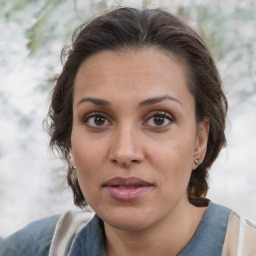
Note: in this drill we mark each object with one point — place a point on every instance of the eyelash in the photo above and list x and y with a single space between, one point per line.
165 115
87 117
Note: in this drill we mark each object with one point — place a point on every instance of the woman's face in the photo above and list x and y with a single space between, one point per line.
134 136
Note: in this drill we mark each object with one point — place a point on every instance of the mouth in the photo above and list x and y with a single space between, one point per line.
127 189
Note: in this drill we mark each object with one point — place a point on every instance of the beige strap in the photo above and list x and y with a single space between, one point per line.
68 225
240 237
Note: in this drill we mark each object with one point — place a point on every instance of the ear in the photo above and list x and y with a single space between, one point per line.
201 140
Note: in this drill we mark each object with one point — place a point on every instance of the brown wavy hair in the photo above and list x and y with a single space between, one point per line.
129 28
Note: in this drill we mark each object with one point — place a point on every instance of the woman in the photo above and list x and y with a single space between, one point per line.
138 113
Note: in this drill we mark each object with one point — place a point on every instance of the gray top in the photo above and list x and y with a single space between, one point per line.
35 239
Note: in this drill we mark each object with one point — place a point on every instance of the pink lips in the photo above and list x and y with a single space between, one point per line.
127 189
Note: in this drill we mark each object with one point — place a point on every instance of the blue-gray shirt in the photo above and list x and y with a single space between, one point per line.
35 239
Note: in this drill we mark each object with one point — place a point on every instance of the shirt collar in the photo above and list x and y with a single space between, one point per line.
207 240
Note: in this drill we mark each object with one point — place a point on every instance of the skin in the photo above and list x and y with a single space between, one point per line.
129 143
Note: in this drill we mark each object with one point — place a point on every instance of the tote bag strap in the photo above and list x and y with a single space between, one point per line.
240 239
68 225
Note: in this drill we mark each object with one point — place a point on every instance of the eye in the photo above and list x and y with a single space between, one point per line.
159 120
96 120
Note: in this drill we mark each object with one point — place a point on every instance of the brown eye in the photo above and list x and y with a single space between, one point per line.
95 120
159 120
99 120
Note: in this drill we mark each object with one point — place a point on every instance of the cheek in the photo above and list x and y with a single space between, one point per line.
175 154
87 169
88 159
172 162
86 150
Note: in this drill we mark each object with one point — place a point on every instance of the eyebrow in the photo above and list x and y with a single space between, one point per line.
147 102
155 100
95 101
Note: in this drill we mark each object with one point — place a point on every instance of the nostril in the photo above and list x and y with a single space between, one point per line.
124 162
125 150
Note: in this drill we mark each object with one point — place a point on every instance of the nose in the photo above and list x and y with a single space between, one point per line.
126 148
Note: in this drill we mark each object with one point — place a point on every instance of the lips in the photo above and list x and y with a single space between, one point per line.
127 182
127 189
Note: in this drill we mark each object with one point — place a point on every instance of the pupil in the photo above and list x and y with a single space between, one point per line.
99 120
159 120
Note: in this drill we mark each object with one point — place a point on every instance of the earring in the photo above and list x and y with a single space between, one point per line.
196 161
73 168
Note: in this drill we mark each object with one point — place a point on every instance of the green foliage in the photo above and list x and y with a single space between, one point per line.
11 7
45 30
47 22
229 33
102 6
146 3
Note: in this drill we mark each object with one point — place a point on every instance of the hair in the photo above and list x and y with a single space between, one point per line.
129 28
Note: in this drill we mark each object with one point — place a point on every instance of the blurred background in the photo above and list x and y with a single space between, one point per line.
32 34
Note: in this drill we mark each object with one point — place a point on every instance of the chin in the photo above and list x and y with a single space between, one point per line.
131 224
127 219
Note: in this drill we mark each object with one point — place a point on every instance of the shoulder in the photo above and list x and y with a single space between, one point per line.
69 225
240 236
240 233
34 239
210 234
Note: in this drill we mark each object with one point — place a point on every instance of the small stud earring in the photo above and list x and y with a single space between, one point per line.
73 168
196 161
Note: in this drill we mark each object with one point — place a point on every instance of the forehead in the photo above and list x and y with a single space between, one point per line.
148 72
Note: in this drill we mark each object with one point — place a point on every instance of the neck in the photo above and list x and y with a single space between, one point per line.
156 239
